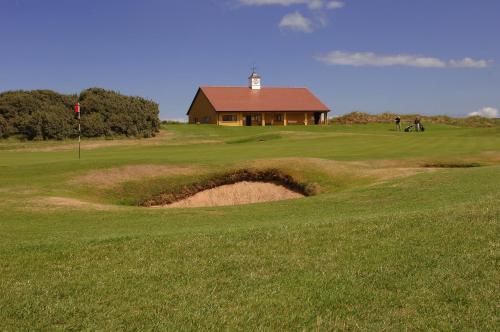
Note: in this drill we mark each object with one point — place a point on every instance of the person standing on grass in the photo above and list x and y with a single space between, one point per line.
417 123
398 123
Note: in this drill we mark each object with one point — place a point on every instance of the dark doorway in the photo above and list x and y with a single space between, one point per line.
248 120
317 117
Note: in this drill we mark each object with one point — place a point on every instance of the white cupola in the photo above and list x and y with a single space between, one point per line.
254 81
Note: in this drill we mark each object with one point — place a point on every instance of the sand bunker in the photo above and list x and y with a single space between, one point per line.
252 186
244 192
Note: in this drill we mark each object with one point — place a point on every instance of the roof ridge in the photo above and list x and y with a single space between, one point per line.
246 87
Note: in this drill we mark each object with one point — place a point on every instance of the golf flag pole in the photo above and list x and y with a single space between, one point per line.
77 116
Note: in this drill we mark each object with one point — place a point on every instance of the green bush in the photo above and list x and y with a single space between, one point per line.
4 128
93 125
45 114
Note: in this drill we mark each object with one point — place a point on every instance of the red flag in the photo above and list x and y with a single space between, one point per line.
77 111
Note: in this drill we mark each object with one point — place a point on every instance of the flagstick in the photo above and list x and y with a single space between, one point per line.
79 138
77 116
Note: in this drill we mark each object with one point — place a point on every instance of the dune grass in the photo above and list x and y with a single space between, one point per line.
386 244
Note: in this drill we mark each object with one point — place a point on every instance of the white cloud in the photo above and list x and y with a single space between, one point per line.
372 59
469 63
272 2
296 21
487 112
312 4
315 4
335 5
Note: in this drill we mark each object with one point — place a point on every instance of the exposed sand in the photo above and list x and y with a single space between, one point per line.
236 194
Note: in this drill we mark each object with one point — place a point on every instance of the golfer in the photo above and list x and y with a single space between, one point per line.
417 124
398 123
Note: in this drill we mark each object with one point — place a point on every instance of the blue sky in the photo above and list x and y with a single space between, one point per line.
403 56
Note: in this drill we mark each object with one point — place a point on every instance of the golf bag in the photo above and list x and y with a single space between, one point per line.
409 128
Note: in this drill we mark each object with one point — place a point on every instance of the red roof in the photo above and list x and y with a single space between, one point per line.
225 99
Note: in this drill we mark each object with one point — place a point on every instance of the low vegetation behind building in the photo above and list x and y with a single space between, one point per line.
364 118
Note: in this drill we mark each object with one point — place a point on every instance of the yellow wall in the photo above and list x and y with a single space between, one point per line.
270 118
295 118
202 111
238 121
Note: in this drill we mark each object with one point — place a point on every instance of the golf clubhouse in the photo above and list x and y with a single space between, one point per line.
256 106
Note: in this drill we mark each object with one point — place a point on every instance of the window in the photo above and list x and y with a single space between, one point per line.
278 117
228 118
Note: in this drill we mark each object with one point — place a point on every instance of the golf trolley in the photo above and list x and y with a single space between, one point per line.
412 128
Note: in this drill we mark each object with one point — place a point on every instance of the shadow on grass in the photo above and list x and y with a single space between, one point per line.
451 165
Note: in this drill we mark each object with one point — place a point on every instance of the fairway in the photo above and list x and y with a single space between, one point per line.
400 232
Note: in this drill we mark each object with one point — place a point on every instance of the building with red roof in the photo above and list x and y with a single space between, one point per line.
256 106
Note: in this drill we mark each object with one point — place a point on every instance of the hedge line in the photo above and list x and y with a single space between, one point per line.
45 114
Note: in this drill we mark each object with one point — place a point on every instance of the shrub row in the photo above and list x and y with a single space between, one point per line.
45 114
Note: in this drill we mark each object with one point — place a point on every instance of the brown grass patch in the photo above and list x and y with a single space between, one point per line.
107 178
90 144
65 202
237 194
490 157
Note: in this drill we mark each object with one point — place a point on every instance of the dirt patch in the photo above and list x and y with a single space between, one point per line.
107 178
269 176
237 194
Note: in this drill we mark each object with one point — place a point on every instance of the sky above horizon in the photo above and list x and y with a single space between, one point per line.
400 56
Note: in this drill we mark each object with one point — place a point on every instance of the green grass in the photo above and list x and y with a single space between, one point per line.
410 253
255 138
